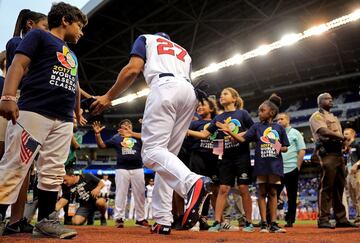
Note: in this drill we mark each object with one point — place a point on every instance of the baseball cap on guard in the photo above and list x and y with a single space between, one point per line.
163 34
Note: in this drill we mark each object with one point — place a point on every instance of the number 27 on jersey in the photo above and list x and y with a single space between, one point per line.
166 47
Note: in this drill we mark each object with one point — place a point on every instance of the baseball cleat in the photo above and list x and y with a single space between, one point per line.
195 201
160 229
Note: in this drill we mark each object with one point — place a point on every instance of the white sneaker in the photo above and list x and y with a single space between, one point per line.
195 228
228 227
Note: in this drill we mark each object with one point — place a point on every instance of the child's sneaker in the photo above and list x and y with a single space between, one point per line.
275 228
228 227
215 227
52 228
263 227
248 227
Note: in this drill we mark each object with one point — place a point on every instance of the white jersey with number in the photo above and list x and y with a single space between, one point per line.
165 56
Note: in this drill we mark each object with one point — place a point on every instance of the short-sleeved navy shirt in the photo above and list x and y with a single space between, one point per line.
49 88
239 121
128 152
81 191
1 84
267 137
202 145
11 47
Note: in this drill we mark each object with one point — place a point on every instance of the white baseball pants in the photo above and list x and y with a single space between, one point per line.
169 109
123 178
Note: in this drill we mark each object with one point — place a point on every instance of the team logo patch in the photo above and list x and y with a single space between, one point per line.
318 117
270 136
234 125
68 60
128 143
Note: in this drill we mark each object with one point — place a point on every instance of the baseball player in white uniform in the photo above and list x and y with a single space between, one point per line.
167 116
148 204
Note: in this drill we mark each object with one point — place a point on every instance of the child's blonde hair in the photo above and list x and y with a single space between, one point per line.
239 102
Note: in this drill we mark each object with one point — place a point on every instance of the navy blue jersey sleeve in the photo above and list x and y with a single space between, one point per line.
248 122
250 134
11 46
30 44
192 125
110 143
139 48
283 137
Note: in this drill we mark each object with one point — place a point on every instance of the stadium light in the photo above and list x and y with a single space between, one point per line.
213 67
316 30
236 59
263 50
290 39
260 51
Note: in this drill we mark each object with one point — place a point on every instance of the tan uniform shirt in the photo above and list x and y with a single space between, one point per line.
324 119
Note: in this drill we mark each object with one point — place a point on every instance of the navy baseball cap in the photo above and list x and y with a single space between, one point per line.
163 34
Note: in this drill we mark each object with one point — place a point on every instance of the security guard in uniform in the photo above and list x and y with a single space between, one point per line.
327 133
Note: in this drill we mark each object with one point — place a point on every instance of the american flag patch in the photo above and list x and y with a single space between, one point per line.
218 147
29 146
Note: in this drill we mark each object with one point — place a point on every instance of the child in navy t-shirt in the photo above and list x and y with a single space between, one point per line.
234 164
271 140
42 120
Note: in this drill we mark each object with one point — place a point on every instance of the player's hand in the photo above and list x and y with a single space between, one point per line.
223 127
9 110
101 103
125 132
80 119
354 169
97 127
96 192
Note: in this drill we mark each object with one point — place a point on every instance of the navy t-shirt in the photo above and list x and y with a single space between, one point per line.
49 88
128 152
11 47
267 137
202 145
239 121
1 84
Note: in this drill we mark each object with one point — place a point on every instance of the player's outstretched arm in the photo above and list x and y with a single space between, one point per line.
97 127
201 134
125 78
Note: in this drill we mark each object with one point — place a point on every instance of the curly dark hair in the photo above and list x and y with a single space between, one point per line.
274 102
69 12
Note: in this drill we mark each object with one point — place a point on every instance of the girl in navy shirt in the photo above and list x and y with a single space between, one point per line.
202 160
270 140
26 21
235 162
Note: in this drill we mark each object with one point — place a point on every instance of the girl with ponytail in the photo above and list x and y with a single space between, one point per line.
26 21
271 140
